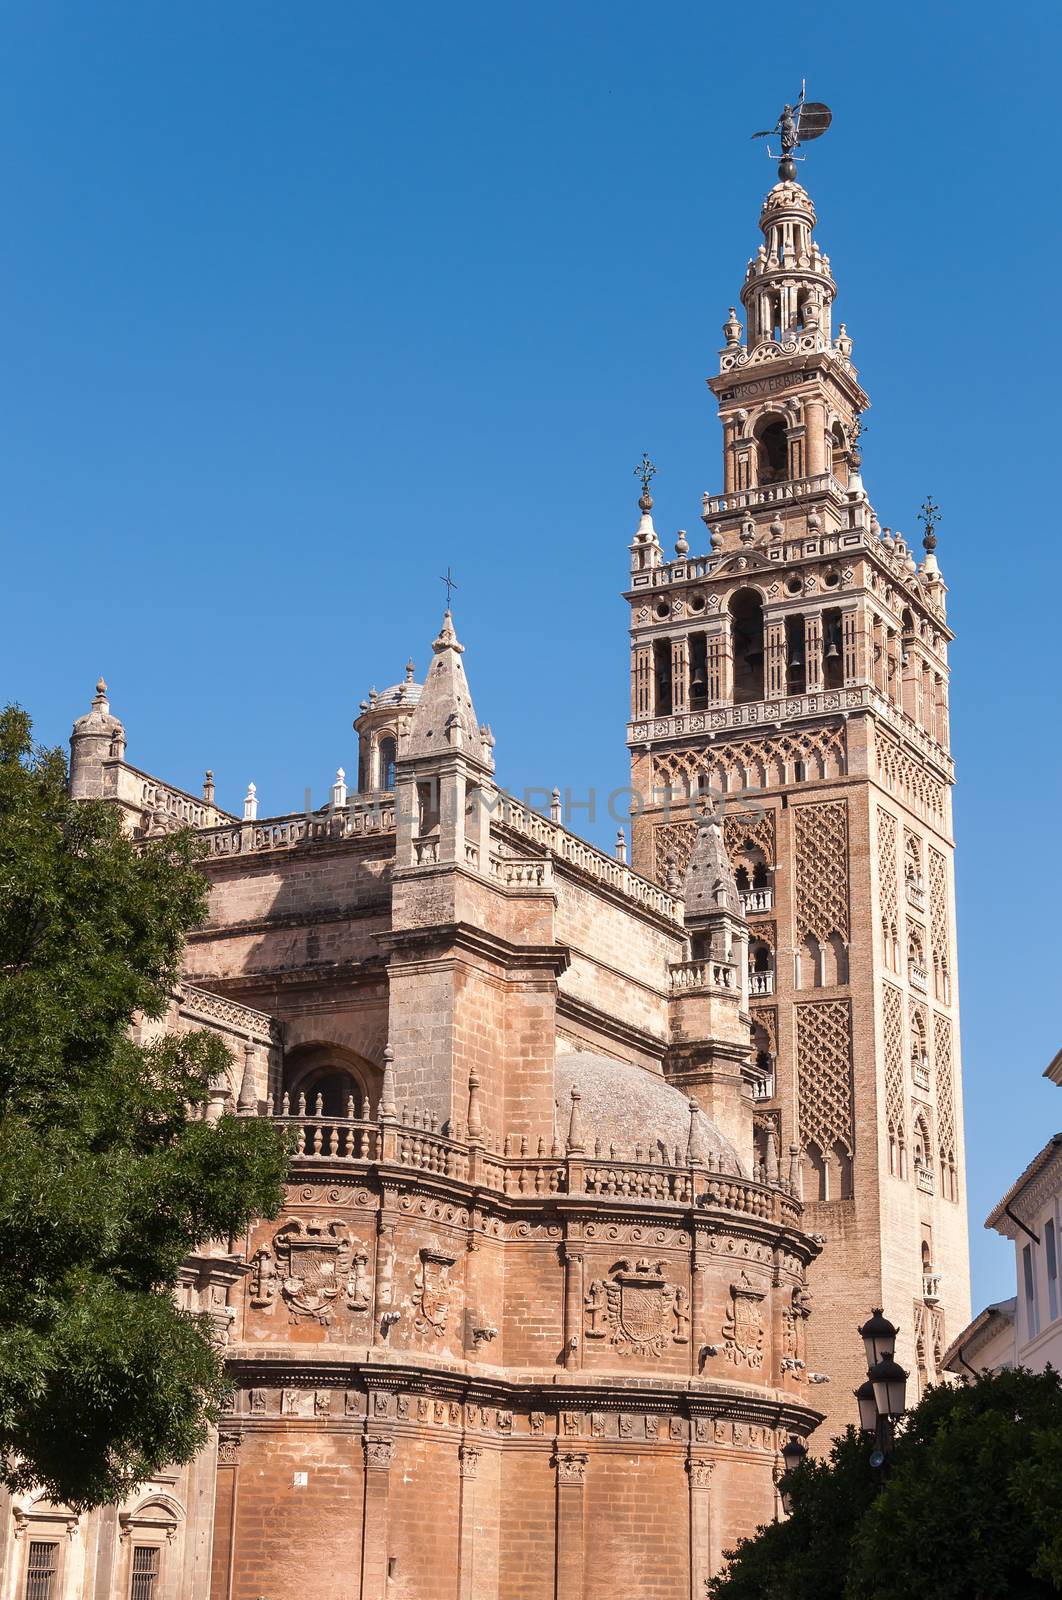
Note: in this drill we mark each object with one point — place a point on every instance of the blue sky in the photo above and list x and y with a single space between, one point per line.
301 303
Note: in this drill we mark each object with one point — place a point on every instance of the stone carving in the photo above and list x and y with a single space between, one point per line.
824 1058
636 1309
322 1403
228 1449
888 885
469 1455
352 1403
538 1421
379 1453
432 1291
908 779
743 1325
597 1425
571 1468
571 1423
312 1264
700 1472
258 1402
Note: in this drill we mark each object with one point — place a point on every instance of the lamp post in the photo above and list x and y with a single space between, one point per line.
882 1398
793 1454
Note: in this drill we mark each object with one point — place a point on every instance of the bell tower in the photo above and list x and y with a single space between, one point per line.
794 679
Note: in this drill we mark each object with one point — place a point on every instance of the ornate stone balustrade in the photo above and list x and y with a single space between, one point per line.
768 714
931 1287
918 976
920 1075
320 1142
916 896
535 873
358 820
797 489
689 976
593 863
216 1011
754 900
924 1179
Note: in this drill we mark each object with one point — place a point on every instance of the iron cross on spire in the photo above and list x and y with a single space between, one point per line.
450 587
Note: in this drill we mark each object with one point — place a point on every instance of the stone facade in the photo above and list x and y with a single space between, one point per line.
575 1142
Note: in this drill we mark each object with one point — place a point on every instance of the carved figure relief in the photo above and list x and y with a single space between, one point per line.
432 1287
743 1325
636 1309
312 1264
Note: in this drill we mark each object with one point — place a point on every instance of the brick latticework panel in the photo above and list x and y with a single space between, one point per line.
906 779
824 1059
673 841
945 1080
822 869
938 908
895 1113
760 763
744 829
888 884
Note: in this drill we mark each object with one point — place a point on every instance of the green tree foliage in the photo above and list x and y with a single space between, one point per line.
107 1178
971 1510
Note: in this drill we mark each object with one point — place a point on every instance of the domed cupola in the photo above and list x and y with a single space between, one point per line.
382 728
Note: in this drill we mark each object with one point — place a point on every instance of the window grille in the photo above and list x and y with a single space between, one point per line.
41 1567
145 1572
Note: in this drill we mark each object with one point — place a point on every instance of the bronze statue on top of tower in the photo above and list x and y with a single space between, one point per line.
807 119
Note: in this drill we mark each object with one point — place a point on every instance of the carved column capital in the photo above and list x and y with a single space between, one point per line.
571 1467
379 1453
469 1455
228 1449
700 1472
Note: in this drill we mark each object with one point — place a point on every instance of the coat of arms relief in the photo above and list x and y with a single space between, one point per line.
431 1291
313 1265
636 1309
743 1326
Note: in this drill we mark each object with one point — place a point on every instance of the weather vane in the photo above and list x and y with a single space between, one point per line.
646 472
807 119
929 517
450 587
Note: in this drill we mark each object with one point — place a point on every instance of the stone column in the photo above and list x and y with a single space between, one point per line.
719 666
573 1307
813 651
815 420
571 1536
774 651
469 1455
698 1308
379 1453
702 1556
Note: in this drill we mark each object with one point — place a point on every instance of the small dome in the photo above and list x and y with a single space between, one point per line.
626 1105
99 719
399 694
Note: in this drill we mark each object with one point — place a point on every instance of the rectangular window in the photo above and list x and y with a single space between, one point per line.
1032 1321
41 1566
145 1572
1051 1252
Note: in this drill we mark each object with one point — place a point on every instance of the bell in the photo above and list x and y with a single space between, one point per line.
797 658
697 681
832 651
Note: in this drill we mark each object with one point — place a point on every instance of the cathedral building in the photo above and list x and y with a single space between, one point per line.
596 1165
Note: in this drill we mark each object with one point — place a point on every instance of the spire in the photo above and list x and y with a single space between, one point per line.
445 718
710 885
645 546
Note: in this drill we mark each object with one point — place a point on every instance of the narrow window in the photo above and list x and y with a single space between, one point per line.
662 676
388 755
1032 1321
145 1581
795 663
1051 1252
41 1567
698 671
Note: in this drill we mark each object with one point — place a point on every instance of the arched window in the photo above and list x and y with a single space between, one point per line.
329 1082
772 451
386 756
746 622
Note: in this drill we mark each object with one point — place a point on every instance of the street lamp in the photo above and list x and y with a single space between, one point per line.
879 1337
793 1454
881 1398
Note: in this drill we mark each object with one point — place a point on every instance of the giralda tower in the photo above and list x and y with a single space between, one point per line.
796 676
